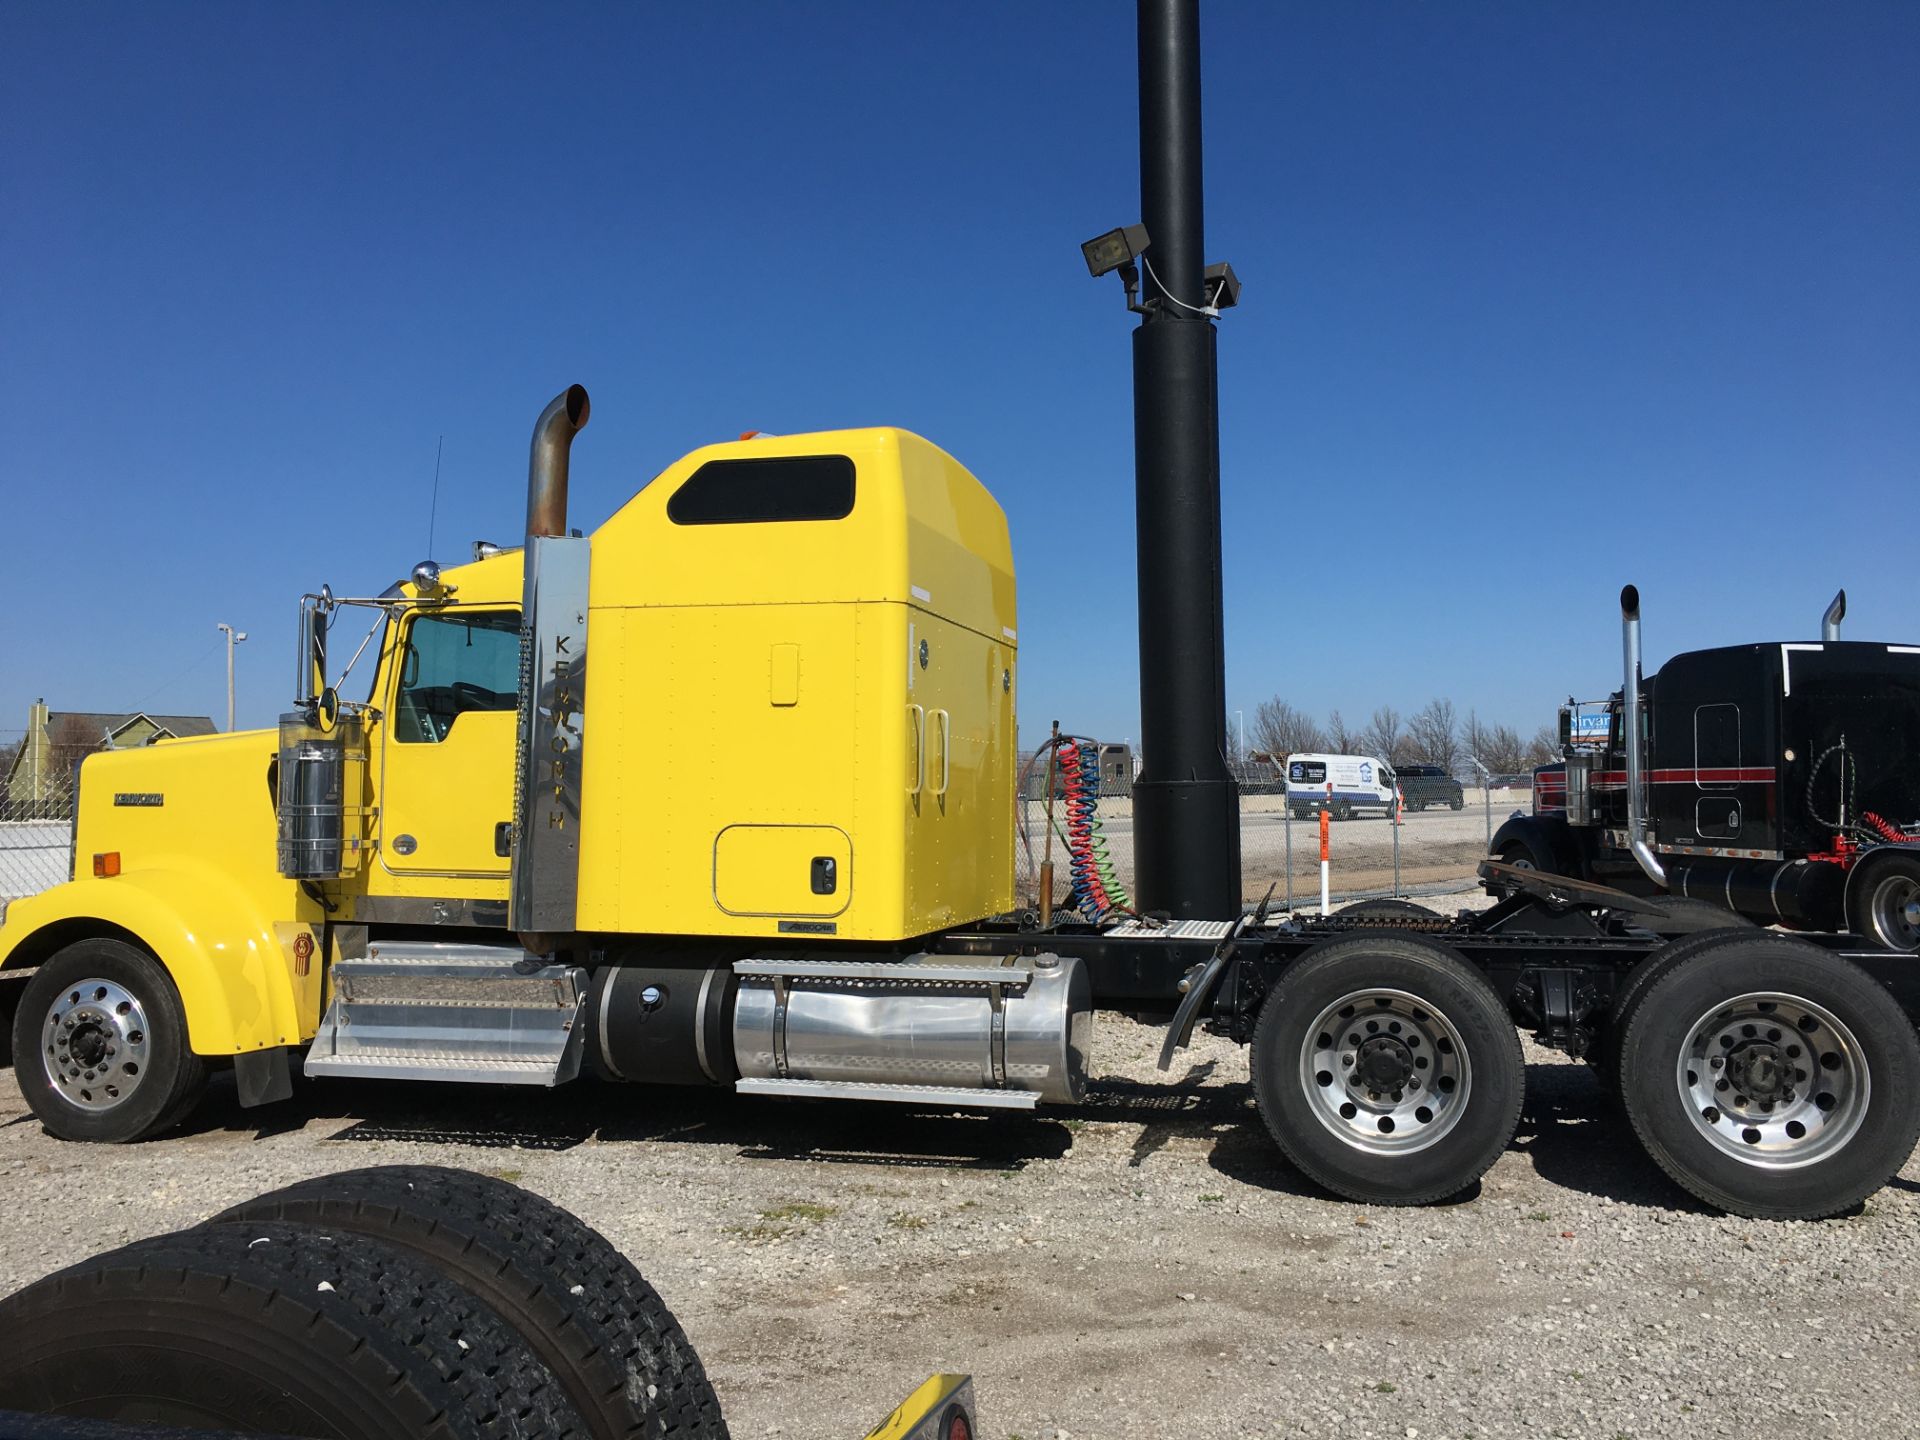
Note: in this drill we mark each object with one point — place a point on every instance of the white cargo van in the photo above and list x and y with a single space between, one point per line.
1340 784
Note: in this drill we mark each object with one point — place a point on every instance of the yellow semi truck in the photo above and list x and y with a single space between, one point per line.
723 794
579 786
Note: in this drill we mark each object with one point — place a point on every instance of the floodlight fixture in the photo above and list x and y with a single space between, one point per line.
1222 287
1114 249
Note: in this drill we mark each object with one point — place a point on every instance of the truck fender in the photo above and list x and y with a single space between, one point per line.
235 980
1551 840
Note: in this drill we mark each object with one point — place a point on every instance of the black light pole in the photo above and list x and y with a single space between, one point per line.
1186 802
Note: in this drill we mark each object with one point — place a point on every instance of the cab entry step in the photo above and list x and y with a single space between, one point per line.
437 1010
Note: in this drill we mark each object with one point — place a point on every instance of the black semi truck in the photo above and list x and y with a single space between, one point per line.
1780 781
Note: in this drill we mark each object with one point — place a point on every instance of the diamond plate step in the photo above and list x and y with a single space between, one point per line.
434 1010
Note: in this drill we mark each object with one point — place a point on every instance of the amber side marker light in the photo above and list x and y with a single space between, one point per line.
106 864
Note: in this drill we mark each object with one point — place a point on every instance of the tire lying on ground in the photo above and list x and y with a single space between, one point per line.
616 1349
274 1329
1772 1079
1387 1069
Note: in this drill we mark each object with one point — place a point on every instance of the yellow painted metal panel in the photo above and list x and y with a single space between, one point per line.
447 798
761 674
198 886
783 675
768 870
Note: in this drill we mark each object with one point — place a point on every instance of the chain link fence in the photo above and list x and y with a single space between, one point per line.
36 827
1421 852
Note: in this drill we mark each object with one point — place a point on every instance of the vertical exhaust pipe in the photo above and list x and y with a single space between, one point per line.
1636 740
1836 612
553 436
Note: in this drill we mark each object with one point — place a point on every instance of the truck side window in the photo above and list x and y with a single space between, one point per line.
451 664
758 492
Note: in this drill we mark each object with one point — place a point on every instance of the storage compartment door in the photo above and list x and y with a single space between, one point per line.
783 870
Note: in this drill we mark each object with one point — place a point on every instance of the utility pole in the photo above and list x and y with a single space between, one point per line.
1186 803
234 637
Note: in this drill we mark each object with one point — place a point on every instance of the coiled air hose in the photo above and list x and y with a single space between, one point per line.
1097 892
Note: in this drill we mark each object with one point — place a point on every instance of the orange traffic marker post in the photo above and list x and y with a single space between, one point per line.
1325 854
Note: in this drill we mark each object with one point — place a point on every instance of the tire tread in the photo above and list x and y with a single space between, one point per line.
615 1345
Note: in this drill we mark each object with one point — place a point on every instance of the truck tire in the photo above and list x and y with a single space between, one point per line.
273 1329
1342 810
1772 1079
615 1348
1459 803
1520 854
1387 1069
1626 1000
1886 909
100 1045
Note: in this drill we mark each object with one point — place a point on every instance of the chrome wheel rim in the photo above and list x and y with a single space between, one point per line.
1776 1081
94 1045
1895 912
1385 1071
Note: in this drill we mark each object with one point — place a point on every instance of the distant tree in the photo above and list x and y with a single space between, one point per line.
1281 730
1503 751
1340 740
1473 738
1433 734
1544 747
8 749
1384 735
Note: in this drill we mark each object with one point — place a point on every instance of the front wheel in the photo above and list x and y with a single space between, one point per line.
100 1045
1886 909
1387 1070
1457 804
1772 1079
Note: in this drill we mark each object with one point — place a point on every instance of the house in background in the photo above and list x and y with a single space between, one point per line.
39 779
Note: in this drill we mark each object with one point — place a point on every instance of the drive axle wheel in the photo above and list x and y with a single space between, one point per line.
1772 1079
100 1045
1387 1069
1605 1057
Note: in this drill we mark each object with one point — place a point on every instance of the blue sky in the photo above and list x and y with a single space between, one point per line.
1539 299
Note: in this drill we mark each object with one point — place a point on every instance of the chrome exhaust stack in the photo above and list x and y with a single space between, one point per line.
553 436
1836 612
1636 740
545 844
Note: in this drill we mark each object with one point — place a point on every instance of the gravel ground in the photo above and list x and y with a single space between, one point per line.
1142 1265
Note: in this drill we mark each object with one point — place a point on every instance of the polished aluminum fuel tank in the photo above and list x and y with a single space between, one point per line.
955 1022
